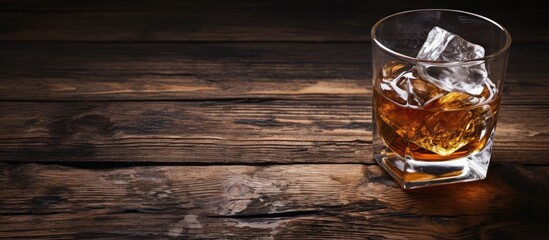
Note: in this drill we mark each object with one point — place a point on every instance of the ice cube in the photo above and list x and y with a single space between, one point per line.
442 45
444 132
422 93
455 101
452 121
394 81
394 69
402 84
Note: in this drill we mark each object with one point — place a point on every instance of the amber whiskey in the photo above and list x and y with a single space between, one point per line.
417 119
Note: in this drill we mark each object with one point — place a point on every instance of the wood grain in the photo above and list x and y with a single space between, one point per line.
325 20
206 132
240 120
349 201
202 71
333 130
122 71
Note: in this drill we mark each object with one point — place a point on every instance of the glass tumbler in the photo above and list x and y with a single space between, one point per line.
436 94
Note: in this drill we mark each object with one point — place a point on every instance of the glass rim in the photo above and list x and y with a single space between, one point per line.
495 54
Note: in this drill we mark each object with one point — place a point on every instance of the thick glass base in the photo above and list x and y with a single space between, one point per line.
410 173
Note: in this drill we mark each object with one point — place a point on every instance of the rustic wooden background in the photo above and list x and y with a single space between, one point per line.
242 119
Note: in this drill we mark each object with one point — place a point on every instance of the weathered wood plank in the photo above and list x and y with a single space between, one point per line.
350 201
121 71
153 71
207 132
332 130
326 20
321 6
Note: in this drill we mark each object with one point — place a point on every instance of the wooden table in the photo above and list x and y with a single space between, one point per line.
244 120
